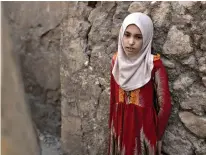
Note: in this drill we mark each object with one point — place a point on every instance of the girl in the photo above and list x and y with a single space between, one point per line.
136 124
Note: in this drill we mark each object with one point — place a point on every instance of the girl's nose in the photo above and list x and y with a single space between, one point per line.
131 41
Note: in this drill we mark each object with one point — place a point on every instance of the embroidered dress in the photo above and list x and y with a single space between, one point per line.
135 126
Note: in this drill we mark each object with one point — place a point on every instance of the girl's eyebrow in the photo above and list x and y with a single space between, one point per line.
127 32
138 34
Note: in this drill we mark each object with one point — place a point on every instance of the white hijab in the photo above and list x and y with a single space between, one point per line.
135 72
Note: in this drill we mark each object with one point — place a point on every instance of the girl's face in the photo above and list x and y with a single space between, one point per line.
132 40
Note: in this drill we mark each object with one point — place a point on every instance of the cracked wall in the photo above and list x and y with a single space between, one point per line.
89 40
65 52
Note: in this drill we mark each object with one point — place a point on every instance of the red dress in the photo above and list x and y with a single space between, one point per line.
135 126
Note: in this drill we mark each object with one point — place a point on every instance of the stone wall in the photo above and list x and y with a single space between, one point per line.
66 50
36 35
90 39
16 120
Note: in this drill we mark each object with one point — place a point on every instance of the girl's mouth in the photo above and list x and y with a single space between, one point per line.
129 48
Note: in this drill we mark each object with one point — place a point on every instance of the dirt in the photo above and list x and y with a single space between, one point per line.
50 145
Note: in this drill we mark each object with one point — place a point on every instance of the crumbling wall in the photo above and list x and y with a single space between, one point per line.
66 49
16 119
36 35
89 40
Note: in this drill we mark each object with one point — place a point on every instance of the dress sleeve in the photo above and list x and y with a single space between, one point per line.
112 92
163 96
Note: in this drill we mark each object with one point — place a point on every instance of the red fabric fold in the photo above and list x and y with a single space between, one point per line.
135 129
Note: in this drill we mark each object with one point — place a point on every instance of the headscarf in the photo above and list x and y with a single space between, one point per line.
135 72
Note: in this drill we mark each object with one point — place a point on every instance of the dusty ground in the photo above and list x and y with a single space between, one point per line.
50 144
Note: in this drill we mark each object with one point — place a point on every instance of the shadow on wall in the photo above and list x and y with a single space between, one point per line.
36 39
18 132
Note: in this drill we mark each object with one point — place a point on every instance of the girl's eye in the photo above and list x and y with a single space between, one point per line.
138 37
127 35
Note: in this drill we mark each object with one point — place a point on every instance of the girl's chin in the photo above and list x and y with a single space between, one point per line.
130 54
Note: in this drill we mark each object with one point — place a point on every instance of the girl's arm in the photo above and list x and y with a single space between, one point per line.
163 96
112 92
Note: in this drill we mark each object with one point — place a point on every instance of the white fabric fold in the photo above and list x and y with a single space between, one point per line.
135 72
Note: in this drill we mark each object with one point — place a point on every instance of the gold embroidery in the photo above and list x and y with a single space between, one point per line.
114 56
156 57
121 95
132 96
